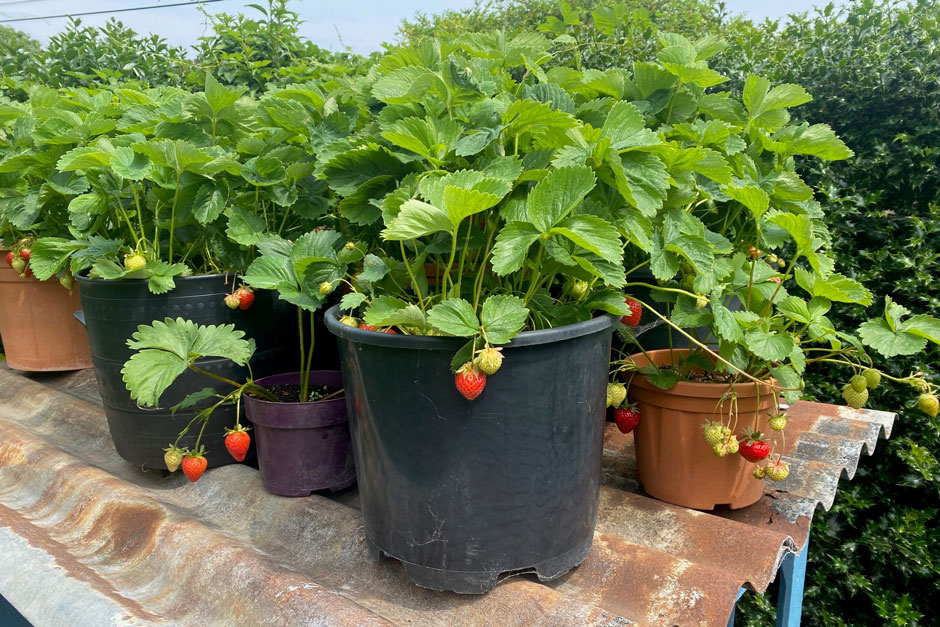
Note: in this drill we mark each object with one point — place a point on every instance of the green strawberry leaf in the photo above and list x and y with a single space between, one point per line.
769 345
166 348
455 316
663 379
194 399
879 335
502 317
352 300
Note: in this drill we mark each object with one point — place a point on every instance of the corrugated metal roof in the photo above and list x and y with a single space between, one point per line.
106 542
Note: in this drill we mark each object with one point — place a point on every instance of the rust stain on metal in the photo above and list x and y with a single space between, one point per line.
134 537
34 534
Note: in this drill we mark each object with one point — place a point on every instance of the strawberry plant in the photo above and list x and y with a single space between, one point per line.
165 350
159 183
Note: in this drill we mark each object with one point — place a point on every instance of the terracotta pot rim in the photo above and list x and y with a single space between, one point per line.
697 389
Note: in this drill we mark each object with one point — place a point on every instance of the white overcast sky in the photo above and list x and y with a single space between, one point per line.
362 24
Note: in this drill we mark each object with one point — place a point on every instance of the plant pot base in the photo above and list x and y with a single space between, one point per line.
480 582
308 491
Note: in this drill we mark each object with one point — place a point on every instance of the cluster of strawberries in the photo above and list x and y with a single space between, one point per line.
242 298
194 462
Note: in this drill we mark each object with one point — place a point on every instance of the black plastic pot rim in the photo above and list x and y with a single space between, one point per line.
423 342
84 278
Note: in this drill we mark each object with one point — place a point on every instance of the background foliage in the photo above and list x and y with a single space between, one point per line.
874 71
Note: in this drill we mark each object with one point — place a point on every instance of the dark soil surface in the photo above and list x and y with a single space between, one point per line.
290 392
700 376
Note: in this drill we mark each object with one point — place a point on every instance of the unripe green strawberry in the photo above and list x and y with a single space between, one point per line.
578 289
929 404
781 264
489 359
777 471
731 445
231 301
859 383
759 472
616 394
325 288
855 398
350 245
173 457
66 281
134 262
872 378
713 433
701 302
727 446
687 282
777 422
18 264
772 258
349 321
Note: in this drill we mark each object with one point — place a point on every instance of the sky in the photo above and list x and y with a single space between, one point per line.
359 24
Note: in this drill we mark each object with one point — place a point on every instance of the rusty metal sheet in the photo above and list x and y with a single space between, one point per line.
112 540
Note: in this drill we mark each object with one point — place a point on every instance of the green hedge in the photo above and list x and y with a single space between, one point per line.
874 71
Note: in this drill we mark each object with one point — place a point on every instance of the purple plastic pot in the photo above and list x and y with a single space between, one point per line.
302 447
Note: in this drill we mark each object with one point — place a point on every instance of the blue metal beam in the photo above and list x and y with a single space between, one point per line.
790 596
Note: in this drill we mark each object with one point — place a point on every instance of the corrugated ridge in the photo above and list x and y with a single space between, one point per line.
652 562
147 560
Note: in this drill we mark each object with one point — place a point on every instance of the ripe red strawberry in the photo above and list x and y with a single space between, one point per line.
627 418
194 464
25 253
246 296
10 258
470 381
237 441
636 310
754 448
390 331
368 327
232 301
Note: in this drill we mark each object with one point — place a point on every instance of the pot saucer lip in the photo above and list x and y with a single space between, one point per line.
603 323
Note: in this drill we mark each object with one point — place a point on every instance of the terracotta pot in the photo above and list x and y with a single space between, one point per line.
36 323
674 463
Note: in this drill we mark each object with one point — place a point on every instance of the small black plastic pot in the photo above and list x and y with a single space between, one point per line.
463 491
111 312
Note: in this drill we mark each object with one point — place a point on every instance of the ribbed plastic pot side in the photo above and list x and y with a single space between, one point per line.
674 463
461 491
36 323
113 310
302 447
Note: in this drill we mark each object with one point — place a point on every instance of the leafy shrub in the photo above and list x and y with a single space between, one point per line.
874 72
258 52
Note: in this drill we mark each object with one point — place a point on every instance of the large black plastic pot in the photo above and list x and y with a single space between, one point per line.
112 311
461 491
